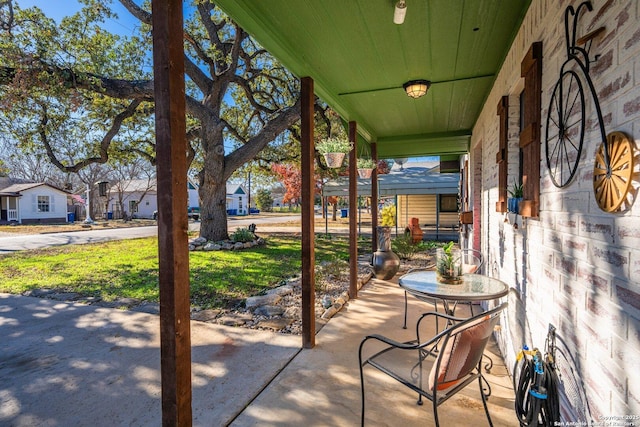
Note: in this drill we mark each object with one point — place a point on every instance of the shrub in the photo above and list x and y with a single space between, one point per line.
328 272
388 216
404 247
264 200
243 235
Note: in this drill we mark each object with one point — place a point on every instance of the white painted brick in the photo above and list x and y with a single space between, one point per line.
581 261
576 201
576 247
610 259
597 227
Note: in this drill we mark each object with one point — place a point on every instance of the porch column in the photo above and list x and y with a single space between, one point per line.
307 193
374 200
353 202
171 149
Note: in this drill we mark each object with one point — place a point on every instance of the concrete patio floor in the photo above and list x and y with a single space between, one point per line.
66 364
321 387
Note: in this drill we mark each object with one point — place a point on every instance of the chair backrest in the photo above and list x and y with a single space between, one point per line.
463 346
472 261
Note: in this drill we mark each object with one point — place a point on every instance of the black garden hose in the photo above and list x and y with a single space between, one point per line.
537 402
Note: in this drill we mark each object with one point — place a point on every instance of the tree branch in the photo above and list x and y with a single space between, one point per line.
104 144
254 145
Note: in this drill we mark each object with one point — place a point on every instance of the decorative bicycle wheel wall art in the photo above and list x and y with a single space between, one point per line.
565 129
612 175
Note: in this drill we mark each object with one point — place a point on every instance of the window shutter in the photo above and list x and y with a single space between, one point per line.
531 70
501 157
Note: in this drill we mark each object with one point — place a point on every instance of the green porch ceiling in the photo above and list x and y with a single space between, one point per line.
359 60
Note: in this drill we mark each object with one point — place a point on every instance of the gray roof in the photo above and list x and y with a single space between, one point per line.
410 180
14 186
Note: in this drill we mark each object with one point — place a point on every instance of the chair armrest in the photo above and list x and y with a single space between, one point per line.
410 345
448 317
444 315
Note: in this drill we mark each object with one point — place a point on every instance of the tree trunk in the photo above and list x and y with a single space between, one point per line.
213 210
213 187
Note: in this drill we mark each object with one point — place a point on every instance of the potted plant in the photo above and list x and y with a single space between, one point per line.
513 202
334 150
365 168
449 264
385 262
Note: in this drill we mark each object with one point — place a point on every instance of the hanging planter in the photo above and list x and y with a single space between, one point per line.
365 168
365 173
334 151
334 160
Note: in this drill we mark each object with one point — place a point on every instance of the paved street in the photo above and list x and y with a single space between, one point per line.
21 242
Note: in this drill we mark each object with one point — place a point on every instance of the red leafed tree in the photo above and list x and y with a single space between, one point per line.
291 178
383 167
292 181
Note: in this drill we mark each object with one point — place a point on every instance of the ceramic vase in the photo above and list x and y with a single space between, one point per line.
385 262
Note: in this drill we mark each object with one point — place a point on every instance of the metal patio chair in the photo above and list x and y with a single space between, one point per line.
434 374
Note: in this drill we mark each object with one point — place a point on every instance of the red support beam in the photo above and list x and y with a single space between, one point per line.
308 232
374 200
353 206
171 149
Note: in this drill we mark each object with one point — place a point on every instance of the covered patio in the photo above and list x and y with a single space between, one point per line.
491 69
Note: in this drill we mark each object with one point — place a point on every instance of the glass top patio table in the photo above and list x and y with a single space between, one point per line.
474 287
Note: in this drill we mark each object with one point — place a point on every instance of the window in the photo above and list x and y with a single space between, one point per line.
133 206
448 202
43 204
239 202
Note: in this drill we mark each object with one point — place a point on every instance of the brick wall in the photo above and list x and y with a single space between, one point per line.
575 267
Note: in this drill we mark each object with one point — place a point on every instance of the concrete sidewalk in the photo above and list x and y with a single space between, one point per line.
66 364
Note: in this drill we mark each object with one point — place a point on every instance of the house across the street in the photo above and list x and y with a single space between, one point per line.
138 198
31 202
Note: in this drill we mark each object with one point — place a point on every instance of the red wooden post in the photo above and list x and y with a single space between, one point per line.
353 206
171 148
308 193
374 200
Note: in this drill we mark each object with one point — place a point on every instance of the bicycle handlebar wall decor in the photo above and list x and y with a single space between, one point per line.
566 124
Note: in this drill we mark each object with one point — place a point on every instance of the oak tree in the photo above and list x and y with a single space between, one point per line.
85 95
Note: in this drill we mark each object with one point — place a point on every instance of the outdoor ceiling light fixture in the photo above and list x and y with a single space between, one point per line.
399 12
417 88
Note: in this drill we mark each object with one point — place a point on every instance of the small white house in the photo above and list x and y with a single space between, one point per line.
31 203
137 197
237 200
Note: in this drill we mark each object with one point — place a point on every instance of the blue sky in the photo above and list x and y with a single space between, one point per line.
58 9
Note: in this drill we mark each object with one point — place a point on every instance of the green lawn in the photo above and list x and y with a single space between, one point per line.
129 268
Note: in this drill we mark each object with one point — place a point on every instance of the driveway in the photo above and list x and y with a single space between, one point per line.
69 364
